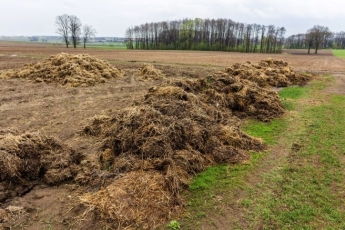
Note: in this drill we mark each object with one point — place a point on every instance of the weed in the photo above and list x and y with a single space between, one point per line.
174 224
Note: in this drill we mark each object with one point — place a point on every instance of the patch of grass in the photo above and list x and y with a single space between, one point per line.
110 46
221 176
174 225
293 92
207 180
268 131
322 83
290 94
339 53
288 105
210 188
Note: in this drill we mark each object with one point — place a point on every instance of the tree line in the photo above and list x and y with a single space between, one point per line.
206 34
71 30
318 37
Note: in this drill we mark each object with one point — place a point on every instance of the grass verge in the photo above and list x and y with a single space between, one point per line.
302 190
309 186
339 53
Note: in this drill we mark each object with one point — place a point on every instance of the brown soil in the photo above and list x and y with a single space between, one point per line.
321 63
62 112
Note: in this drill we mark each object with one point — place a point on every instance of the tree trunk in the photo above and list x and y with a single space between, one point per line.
66 42
316 48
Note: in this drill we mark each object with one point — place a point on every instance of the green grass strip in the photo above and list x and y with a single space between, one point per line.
310 192
339 53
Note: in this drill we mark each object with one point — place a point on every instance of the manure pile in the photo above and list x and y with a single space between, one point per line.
237 96
157 145
149 72
28 159
268 72
65 69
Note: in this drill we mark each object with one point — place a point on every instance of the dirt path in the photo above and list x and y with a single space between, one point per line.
234 215
339 86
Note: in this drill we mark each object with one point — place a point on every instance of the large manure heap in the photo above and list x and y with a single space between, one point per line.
68 70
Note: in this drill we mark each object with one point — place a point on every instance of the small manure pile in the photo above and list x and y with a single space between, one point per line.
268 72
149 72
65 69
27 159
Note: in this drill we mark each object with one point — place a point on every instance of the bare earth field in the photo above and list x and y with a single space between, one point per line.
323 62
63 111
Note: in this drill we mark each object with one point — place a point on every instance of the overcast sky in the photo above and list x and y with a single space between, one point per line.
111 18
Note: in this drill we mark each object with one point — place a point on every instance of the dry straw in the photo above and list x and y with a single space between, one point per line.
69 70
30 158
268 72
149 72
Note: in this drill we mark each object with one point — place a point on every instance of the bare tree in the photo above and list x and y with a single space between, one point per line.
129 38
316 36
309 39
206 34
62 23
75 29
339 40
88 32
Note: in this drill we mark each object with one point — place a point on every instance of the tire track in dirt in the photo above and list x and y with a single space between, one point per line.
339 86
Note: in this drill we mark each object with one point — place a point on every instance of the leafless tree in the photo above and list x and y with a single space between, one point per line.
317 37
129 38
62 23
206 34
318 34
263 31
75 29
88 32
339 40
